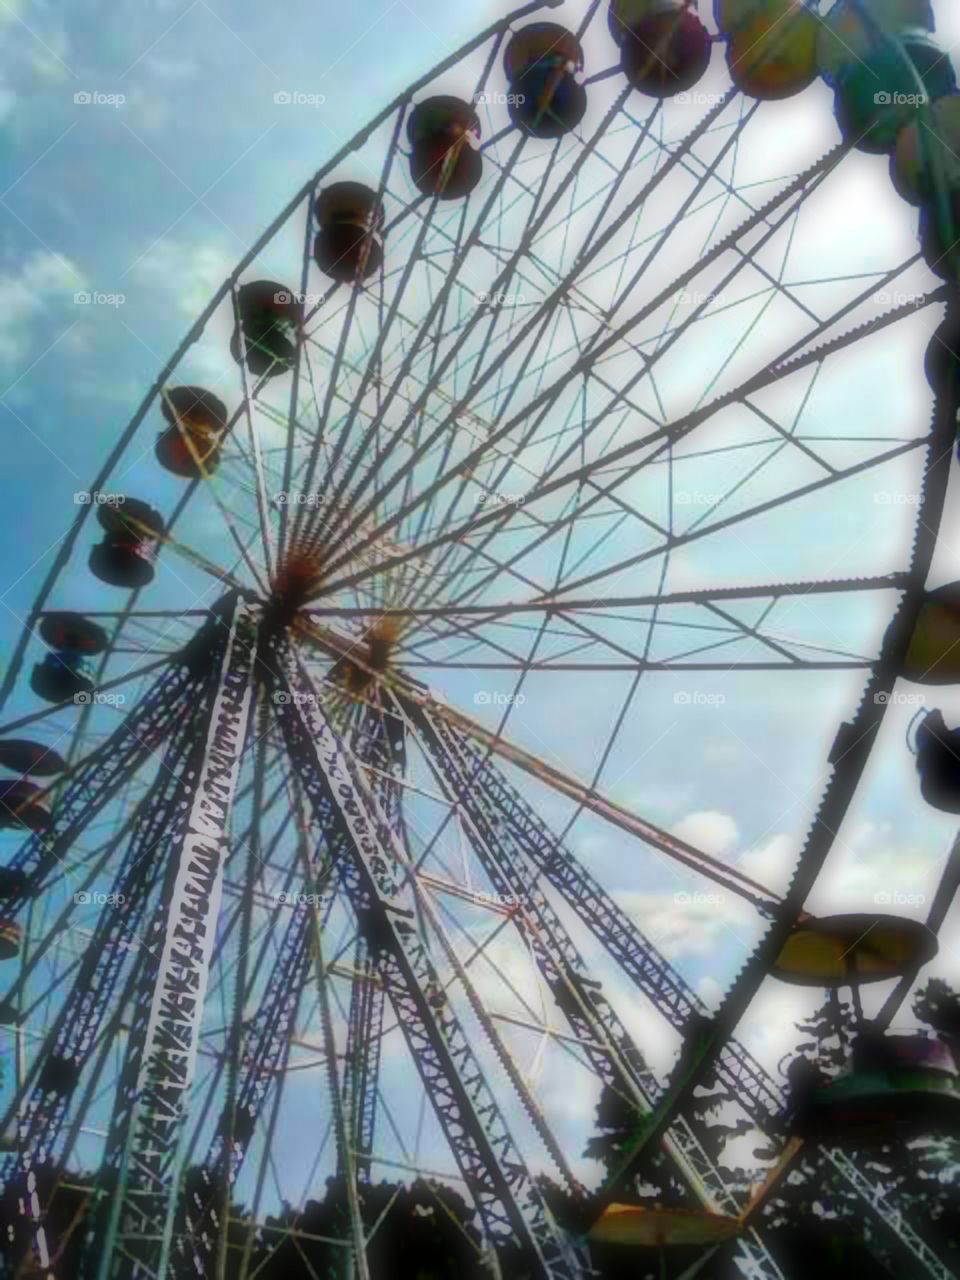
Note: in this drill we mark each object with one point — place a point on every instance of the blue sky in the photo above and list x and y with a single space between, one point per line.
155 198
180 178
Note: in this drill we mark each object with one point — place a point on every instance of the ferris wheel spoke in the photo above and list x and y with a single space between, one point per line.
345 331
384 329
286 482
421 423
797 190
617 814
548 305
258 471
435 310
497 484
680 540
678 429
822 328
600 604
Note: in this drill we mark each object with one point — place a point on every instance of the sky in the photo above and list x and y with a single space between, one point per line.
143 150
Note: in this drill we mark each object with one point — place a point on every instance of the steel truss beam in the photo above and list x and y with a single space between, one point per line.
613 1055
375 745
508 1200
98 778
142 1149
266 1047
747 1081
266 1040
41 1110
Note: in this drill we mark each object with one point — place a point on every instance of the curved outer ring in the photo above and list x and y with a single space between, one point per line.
197 328
846 776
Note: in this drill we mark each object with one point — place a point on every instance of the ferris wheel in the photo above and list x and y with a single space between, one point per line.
546 420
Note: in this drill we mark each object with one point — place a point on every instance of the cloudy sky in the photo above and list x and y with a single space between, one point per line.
144 150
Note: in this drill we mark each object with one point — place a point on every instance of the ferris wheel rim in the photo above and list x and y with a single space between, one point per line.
908 582
231 284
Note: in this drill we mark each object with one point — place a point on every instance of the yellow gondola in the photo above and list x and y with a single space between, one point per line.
658 1228
837 951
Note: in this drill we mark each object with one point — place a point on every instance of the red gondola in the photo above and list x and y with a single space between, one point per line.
19 806
125 557
63 674
349 243
444 134
190 446
268 318
23 756
664 47
541 62
11 938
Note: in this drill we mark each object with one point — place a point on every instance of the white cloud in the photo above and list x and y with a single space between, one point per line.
715 833
771 863
12 11
710 991
190 273
27 293
694 923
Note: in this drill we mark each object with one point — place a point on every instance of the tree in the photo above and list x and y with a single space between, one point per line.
423 1231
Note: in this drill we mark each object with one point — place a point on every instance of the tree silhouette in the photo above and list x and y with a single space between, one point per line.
424 1231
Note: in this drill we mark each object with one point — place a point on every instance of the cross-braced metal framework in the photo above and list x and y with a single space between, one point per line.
607 450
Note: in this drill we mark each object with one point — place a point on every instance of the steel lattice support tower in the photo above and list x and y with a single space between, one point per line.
350 777
473 774
41 1109
615 1058
143 1141
508 1200
379 743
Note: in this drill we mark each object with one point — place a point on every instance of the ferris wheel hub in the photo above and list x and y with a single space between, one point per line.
375 653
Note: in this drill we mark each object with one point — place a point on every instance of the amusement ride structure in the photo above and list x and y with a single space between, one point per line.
257 870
